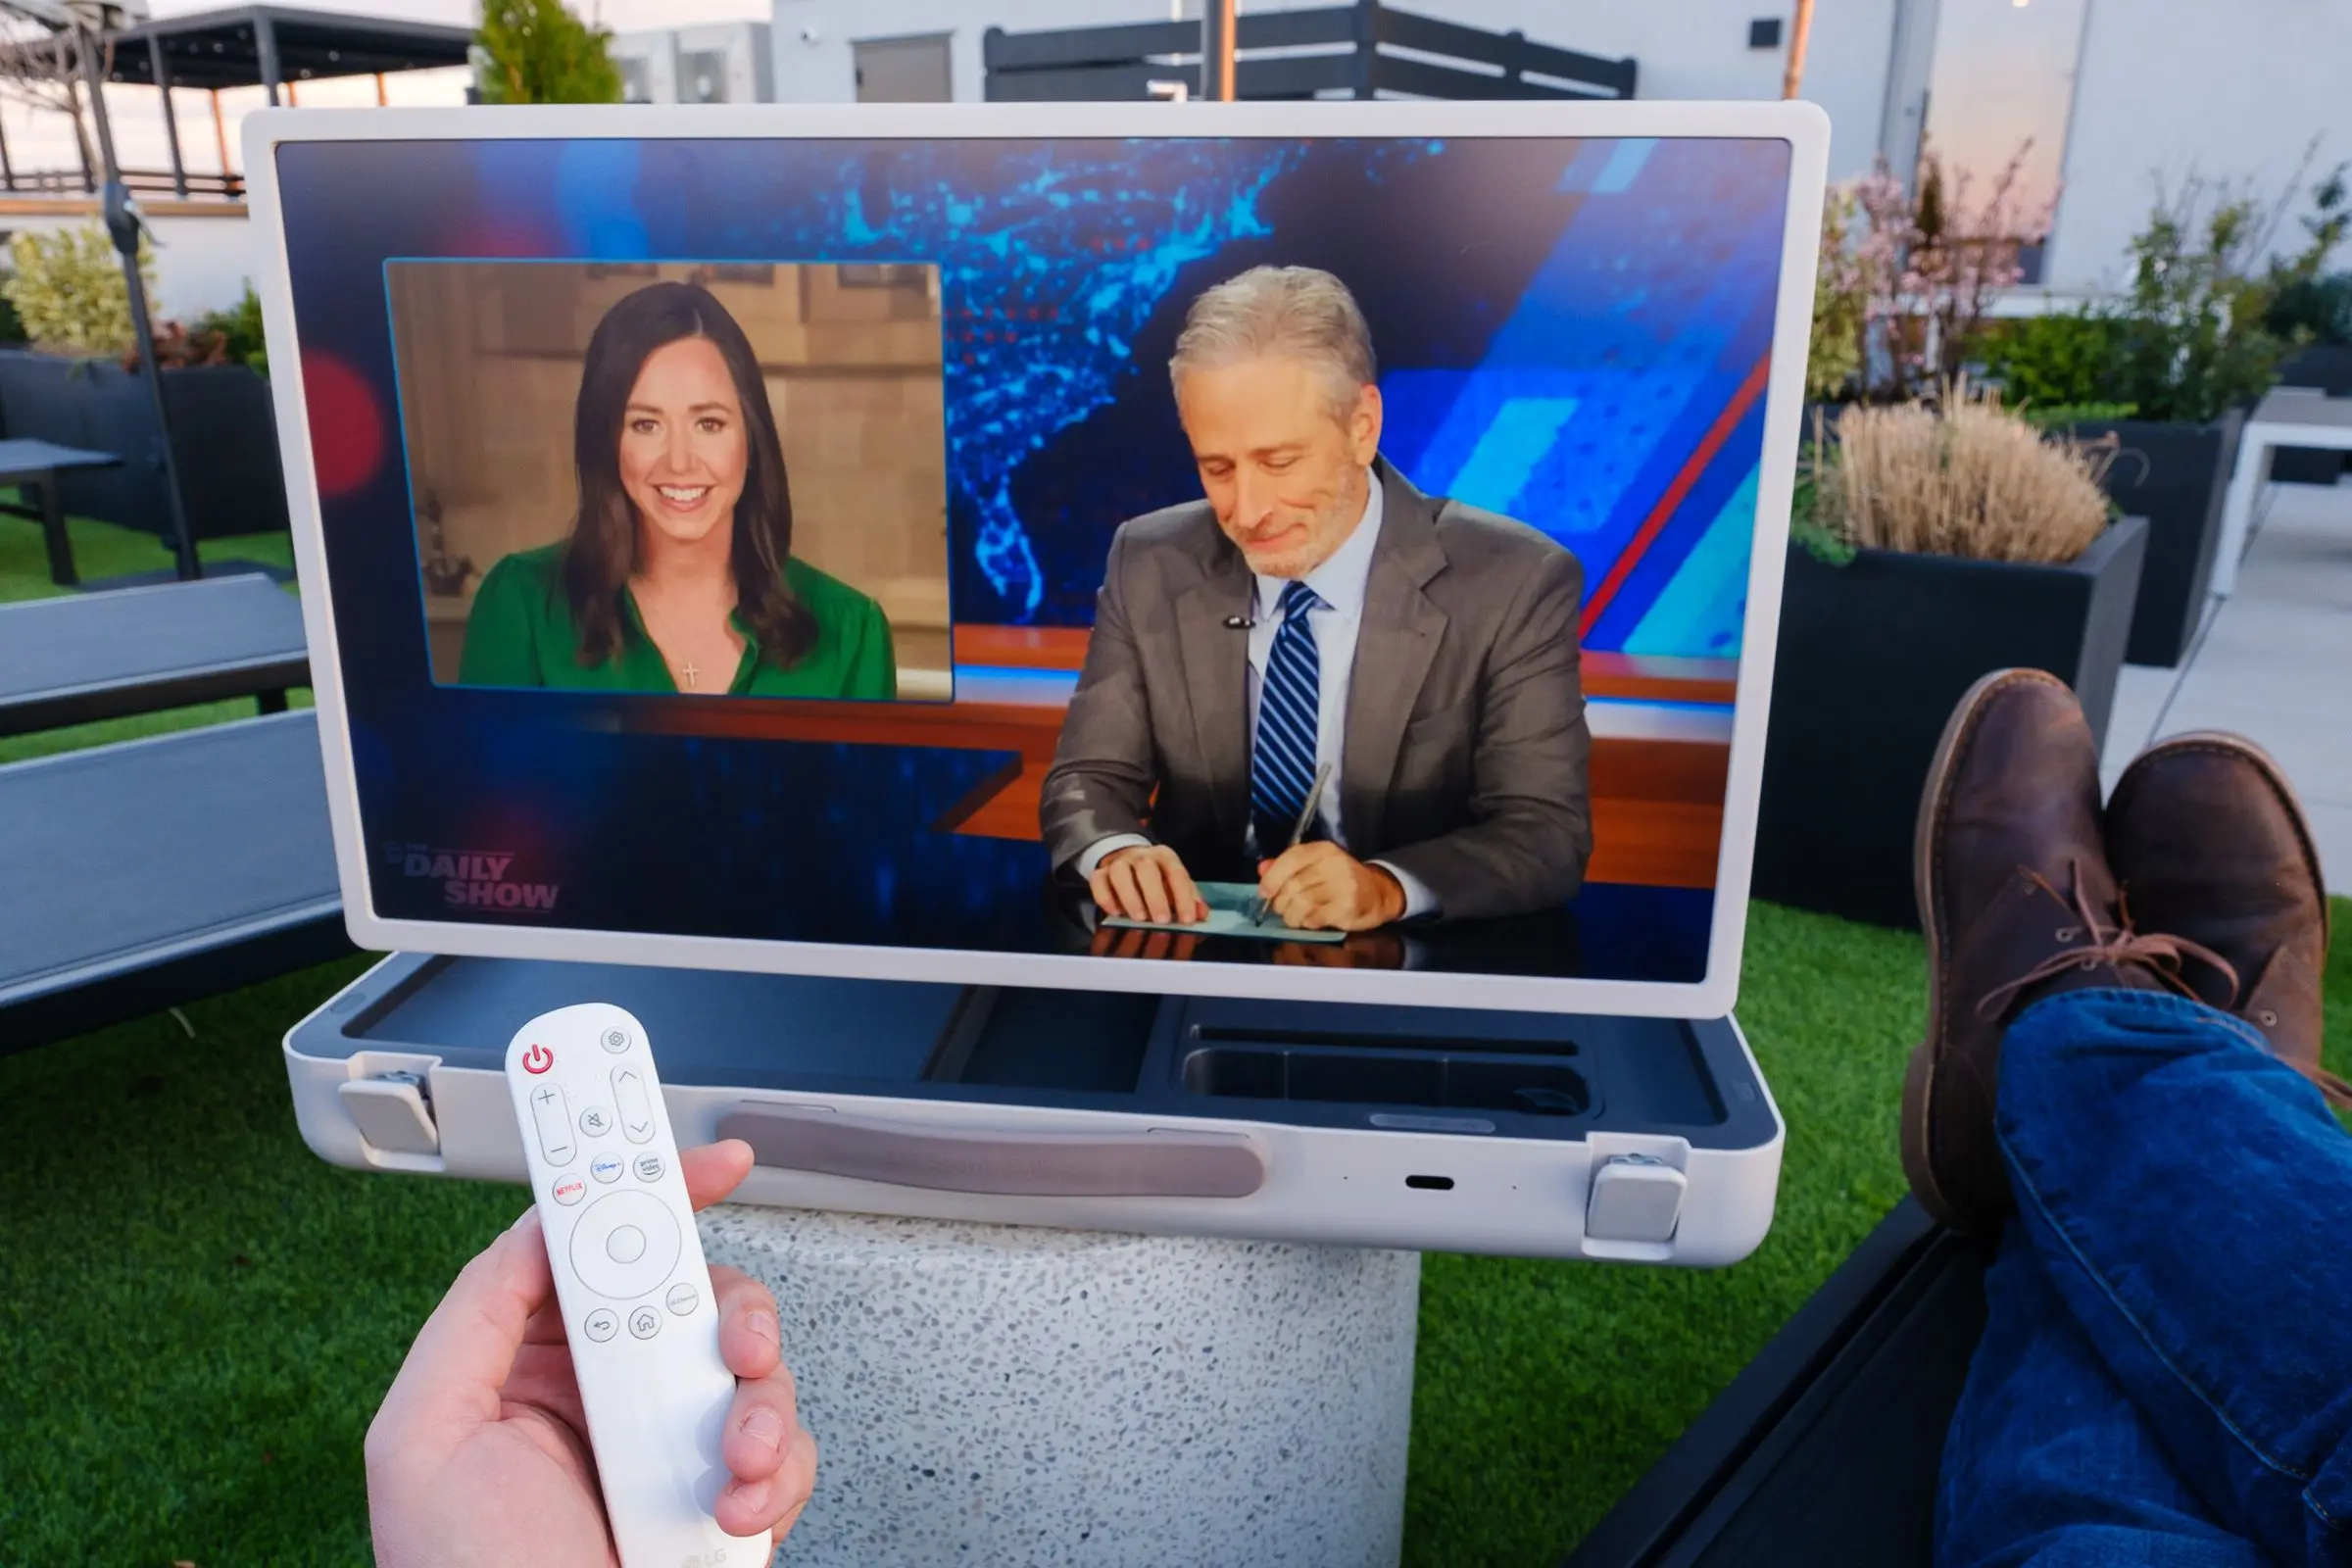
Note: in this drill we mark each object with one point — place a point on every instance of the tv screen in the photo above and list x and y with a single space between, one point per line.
1255 550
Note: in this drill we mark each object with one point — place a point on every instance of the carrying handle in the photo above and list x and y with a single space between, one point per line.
1150 1163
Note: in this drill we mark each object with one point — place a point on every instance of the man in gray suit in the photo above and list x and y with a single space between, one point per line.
1314 612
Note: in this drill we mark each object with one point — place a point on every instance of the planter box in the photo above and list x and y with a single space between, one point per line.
2329 369
224 437
1873 656
2177 476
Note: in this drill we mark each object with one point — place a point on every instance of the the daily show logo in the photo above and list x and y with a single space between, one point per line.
472 879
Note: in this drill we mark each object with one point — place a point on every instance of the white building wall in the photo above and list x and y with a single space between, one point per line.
202 262
2230 91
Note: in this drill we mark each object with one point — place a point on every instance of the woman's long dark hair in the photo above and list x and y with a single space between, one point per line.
602 552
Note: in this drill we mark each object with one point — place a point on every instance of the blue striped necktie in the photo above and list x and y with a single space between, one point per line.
1282 762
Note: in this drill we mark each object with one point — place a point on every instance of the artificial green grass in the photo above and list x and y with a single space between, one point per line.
199 1317
102 550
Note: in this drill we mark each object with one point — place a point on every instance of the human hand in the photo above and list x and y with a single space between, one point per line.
1132 941
479 1452
1147 882
1321 887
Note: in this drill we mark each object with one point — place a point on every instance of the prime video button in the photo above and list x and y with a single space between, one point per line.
1431 1124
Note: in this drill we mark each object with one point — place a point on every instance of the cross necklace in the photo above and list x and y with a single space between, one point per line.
688 670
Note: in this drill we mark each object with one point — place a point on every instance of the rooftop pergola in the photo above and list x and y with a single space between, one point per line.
271 47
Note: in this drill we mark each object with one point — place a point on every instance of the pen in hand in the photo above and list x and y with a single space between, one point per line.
1307 815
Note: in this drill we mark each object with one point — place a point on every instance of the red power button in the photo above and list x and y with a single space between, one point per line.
538 1059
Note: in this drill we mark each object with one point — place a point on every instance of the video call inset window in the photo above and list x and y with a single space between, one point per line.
715 478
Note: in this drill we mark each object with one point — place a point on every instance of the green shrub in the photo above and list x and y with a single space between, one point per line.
2058 416
67 290
1841 303
240 330
2309 305
2055 360
2314 310
2193 339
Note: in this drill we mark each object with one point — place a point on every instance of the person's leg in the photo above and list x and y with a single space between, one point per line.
2048 1462
2177 1180
2188 1197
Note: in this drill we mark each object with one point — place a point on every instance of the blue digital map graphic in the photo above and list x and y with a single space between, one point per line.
1572 386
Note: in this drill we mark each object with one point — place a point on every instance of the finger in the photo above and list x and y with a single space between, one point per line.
1152 877
449 1382
1185 892
1307 907
1273 875
1299 860
748 1507
749 1339
713 1170
1126 899
1098 884
760 1427
1303 887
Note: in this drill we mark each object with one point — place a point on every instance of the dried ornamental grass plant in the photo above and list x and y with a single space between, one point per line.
1969 478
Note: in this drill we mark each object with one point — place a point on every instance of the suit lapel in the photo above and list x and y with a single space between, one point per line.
1216 681
1400 637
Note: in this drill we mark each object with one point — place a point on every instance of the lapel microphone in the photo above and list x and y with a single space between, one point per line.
1239 622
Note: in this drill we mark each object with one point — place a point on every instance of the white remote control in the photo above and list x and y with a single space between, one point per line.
631 1282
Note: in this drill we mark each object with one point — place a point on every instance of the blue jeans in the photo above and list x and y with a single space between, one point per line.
2165 1374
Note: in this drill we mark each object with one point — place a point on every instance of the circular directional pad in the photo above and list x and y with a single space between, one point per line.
625 1245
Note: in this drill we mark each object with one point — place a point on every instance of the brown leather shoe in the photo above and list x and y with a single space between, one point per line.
2017 902
2209 843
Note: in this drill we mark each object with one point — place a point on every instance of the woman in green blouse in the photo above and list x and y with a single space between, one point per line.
678 574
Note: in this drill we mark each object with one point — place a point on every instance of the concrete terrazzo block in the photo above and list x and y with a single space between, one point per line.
1009 1395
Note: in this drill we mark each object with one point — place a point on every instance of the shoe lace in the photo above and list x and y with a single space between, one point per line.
2158 954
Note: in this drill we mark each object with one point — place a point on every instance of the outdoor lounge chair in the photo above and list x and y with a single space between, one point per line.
84 657
140 875
1825 1447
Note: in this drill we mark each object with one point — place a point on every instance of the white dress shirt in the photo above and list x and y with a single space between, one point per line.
1340 583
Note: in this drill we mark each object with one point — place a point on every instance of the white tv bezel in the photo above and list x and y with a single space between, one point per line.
1801 126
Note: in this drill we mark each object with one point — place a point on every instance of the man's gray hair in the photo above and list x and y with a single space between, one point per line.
1295 312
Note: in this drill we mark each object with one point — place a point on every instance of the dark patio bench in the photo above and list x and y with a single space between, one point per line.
137 876
1824 1448
84 657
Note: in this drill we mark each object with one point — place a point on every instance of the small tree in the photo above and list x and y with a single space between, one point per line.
1934 262
537 52
2311 304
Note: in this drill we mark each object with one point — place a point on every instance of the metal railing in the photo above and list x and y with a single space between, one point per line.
142 182
1361 50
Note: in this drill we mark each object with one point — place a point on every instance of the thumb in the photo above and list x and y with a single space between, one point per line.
461 1357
